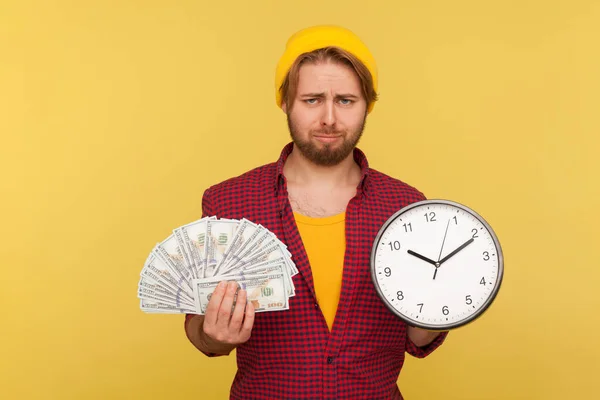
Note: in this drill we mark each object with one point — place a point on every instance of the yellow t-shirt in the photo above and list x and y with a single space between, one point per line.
325 242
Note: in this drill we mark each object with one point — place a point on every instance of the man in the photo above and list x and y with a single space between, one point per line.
337 340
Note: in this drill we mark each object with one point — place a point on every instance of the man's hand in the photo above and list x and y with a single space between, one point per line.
221 326
226 324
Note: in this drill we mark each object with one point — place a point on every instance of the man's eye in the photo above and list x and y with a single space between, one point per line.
346 101
310 101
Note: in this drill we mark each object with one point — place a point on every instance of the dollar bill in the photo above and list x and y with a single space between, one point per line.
275 267
165 300
172 255
266 293
154 306
270 251
157 269
219 234
148 289
253 244
268 266
194 237
245 232
183 246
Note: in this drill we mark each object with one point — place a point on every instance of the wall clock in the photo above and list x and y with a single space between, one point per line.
437 264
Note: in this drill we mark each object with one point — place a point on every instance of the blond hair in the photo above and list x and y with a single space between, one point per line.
334 54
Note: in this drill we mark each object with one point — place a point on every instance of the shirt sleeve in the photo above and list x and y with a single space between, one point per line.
424 351
207 210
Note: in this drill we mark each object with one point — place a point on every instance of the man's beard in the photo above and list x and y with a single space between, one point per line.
327 156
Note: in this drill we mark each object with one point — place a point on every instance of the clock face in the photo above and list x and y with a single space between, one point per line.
437 264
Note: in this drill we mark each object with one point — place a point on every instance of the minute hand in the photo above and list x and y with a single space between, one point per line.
465 244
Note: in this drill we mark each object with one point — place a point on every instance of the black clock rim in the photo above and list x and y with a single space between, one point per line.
451 325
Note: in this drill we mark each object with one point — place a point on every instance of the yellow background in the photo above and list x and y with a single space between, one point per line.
116 115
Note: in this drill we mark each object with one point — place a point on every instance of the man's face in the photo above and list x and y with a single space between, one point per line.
329 113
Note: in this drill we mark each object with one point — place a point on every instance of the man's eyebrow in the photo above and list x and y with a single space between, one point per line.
339 96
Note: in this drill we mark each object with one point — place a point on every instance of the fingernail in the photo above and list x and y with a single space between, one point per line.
222 284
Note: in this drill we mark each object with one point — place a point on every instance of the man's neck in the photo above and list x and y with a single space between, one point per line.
300 171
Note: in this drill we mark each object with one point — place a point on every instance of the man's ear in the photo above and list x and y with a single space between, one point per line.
284 107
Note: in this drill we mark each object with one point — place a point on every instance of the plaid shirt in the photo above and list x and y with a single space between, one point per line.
291 354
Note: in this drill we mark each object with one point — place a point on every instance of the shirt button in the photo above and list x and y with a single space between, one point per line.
316 306
329 360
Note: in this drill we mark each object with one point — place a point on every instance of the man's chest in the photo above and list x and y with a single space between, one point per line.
320 203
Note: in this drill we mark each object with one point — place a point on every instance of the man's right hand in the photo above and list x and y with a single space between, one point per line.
220 330
221 326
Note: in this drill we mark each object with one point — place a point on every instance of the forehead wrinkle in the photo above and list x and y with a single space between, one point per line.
323 94
319 81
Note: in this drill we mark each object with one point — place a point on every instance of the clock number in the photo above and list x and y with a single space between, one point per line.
468 299
430 217
400 295
474 233
407 227
445 310
482 281
394 246
387 271
486 256
421 305
455 220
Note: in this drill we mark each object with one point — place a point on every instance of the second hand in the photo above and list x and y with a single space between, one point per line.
440 256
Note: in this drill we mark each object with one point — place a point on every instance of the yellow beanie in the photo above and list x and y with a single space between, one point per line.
317 37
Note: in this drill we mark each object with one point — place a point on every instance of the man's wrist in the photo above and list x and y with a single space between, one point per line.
422 337
209 345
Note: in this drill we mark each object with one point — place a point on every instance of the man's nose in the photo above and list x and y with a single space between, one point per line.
329 117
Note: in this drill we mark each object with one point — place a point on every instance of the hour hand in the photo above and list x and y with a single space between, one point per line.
421 257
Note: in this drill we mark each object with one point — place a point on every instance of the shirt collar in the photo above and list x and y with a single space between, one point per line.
359 157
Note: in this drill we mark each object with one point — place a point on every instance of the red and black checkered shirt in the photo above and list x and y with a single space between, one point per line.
291 354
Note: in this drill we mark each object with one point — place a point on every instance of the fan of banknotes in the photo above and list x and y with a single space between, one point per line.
183 270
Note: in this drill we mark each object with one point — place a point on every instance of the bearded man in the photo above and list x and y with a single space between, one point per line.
337 340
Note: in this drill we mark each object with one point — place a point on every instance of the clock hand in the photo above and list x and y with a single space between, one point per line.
422 257
443 241
465 244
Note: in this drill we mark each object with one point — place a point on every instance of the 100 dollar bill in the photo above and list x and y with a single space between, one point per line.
266 292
